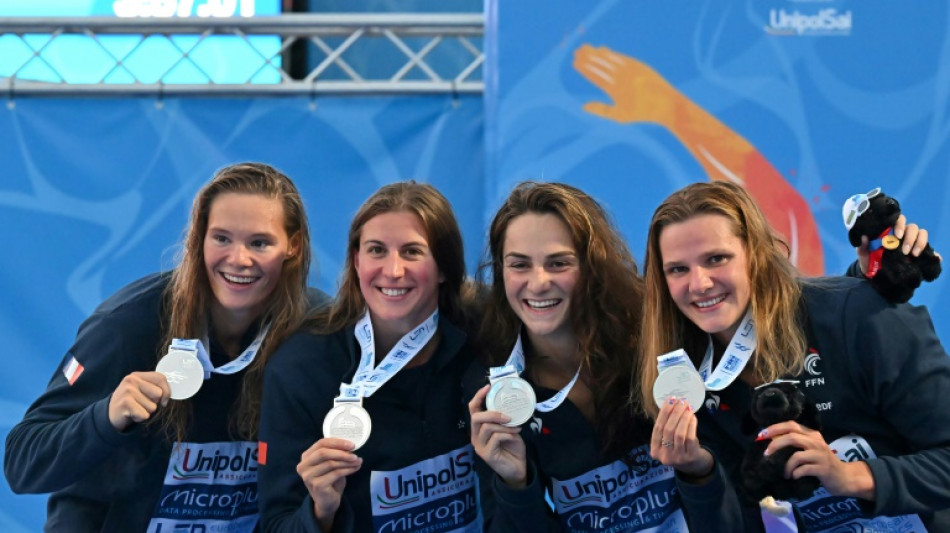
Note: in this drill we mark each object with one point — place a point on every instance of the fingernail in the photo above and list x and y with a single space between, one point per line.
765 453
762 435
917 251
164 403
672 400
906 249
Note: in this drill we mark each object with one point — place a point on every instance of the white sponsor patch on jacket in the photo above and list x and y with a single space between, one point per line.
437 495
639 495
209 487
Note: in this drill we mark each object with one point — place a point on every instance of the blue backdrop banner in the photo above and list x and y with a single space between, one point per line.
804 103
98 192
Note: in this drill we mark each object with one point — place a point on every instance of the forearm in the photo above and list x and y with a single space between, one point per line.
44 453
521 510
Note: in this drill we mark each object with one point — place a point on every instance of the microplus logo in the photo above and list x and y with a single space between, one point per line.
825 22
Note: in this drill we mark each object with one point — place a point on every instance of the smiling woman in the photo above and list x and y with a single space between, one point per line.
367 395
720 286
245 250
111 436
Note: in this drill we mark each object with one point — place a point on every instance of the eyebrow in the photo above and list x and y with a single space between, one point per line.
265 234
411 243
517 255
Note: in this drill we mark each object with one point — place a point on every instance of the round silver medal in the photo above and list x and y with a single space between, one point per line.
348 421
680 381
512 396
183 371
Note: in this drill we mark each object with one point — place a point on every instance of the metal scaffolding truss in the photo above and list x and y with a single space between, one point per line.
345 54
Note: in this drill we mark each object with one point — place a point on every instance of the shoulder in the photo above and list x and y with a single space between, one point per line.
304 351
316 298
137 306
870 326
840 296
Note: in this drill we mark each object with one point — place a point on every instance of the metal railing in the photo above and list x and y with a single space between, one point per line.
346 54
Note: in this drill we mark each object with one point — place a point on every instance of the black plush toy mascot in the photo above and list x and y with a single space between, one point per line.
763 477
895 276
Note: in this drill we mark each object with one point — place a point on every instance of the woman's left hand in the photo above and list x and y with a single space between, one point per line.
674 442
817 459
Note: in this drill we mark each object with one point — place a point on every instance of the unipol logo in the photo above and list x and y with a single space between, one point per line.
826 22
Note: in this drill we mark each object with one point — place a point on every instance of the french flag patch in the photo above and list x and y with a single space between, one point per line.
72 370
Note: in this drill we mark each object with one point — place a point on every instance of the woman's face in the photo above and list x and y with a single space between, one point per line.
245 247
399 278
541 269
706 270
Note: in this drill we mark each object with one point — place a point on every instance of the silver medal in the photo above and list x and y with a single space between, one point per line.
348 420
512 396
183 371
679 381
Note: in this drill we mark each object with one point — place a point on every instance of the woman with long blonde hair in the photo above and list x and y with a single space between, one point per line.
116 437
720 286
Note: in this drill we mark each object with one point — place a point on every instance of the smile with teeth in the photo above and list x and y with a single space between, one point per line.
393 292
709 303
240 280
542 304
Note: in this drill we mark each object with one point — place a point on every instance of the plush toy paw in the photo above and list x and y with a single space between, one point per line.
775 507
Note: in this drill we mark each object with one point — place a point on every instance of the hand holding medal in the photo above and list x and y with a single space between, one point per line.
183 371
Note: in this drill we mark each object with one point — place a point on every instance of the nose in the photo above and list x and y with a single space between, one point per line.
241 256
538 280
699 281
395 267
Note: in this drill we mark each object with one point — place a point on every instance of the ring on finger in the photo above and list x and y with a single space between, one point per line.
666 443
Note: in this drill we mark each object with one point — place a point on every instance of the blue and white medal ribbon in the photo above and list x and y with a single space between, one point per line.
678 378
348 419
187 364
200 350
514 396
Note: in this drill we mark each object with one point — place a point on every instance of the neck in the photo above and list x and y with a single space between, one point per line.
384 339
229 330
557 351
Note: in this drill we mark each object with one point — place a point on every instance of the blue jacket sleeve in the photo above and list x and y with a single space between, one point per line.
905 372
289 426
521 510
66 433
711 506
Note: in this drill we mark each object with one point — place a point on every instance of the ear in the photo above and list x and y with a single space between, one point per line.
293 247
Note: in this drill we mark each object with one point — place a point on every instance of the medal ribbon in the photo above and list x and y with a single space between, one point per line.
367 378
737 355
876 253
515 365
198 348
